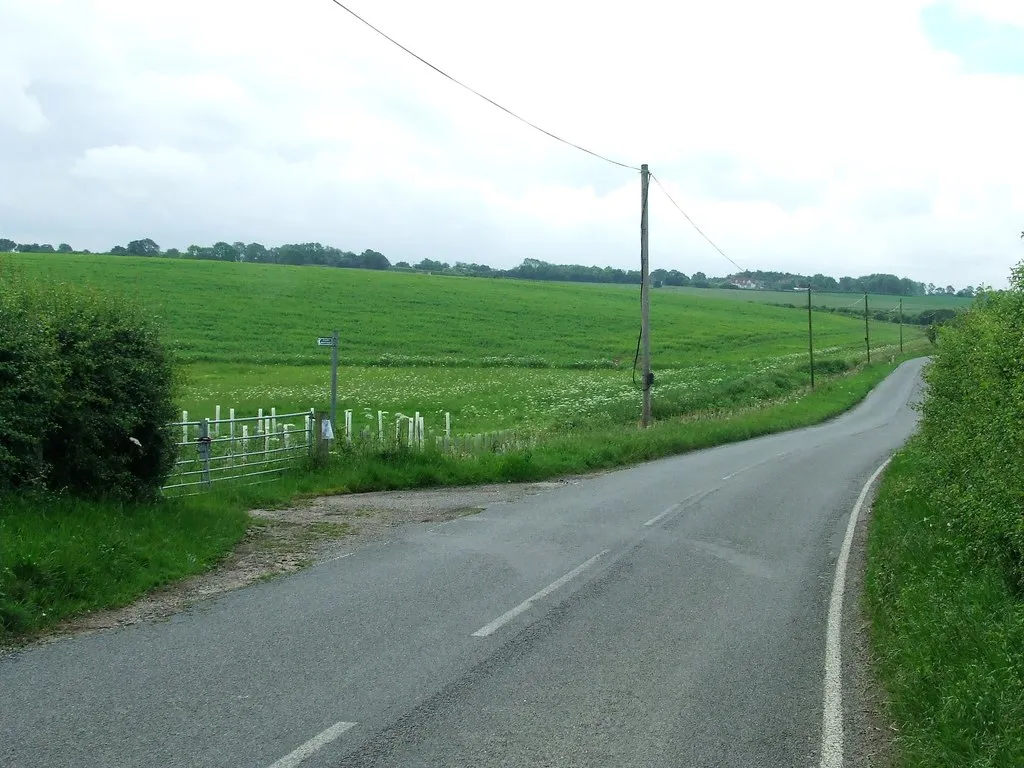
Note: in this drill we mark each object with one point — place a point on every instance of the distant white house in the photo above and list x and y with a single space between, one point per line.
746 284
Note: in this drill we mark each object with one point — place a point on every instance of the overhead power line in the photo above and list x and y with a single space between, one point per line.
477 93
694 224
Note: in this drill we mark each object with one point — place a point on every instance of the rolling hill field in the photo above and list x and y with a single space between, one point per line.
911 304
493 353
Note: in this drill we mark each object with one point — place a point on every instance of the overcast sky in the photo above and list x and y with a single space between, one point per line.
801 135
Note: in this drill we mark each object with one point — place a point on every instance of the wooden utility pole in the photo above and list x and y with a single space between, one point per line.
901 326
334 379
645 296
867 332
810 335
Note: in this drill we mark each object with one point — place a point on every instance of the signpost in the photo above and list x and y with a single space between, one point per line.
332 342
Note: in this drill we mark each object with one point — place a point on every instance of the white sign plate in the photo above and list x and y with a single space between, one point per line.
325 341
327 430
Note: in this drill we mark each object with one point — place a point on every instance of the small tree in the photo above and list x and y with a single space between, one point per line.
6 244
143 248
64 248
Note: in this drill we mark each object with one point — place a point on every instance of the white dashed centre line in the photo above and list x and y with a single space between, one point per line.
315 744
505 618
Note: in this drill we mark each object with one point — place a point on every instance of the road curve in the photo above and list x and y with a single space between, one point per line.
670 614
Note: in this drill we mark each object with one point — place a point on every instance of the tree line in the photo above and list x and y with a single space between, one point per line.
316 254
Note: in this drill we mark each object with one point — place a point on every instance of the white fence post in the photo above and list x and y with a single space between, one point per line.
420 429
287 442
259 422
245 442
216 420
231 433
184 427
273 420
348 427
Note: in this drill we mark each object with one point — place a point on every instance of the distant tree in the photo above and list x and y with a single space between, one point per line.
429 265
967 293
144 247
65 248
258 254
950 291
201 252
224 251
47 248
172 253
699 280
373 260
85 250
6 244
119 250
403 265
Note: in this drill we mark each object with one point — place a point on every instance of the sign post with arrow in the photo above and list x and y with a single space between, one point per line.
332 342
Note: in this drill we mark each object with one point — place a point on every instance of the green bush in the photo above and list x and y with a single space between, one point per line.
973 425
86 391
29 385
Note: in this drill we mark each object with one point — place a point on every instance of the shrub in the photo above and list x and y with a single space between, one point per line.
29 385
86 391
973 425
110 438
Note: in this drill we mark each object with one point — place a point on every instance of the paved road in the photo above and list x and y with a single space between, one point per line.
677 619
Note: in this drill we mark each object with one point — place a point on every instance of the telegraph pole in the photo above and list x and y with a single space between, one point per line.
810 335
867 333
901 326
334 378
645 296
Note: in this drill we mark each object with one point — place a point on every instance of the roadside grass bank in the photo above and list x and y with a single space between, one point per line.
947 628
60 557
945 569
64 556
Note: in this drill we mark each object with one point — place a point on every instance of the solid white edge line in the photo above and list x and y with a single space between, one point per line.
318 742
505 618
832 714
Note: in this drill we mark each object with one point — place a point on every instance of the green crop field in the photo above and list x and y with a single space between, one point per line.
912 305
493 353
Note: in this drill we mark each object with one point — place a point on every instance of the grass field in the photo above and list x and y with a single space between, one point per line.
493 353
912 305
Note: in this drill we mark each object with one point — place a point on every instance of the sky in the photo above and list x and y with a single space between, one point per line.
802 136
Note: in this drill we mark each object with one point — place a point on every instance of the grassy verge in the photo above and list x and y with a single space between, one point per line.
947 627
58 558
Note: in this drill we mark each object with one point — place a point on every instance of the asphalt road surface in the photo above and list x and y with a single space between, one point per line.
671 614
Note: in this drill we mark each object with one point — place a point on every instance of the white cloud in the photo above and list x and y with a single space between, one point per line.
998 11
800 135
118 165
